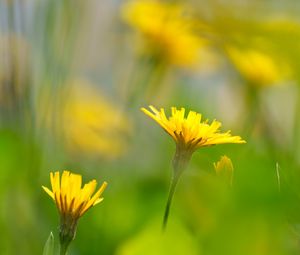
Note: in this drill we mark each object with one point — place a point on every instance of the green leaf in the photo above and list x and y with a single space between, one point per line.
49 245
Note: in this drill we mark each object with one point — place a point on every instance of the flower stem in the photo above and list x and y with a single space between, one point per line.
173 185
296 136
63 249
67 233
180 162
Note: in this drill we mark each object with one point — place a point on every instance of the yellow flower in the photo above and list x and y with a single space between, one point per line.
258 67
93 125
72 201
224 169
189 132
89 123
167 29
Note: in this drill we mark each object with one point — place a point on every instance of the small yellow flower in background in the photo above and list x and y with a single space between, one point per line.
72 202
167 28
258 67
92 124
224 169
189 134
88 123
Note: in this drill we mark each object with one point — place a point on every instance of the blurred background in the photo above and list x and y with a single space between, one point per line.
73 76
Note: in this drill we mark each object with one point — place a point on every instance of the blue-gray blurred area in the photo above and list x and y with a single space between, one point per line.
73 77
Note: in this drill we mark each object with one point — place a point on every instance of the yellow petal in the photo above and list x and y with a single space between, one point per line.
49 192
94 198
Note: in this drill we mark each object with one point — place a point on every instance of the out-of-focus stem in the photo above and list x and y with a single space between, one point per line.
296 134
253 107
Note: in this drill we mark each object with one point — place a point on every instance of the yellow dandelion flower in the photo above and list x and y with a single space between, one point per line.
258 67
224 169
167 29
89 123
188 131
72 201
189 134
86 110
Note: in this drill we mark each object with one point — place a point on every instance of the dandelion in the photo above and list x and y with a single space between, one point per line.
72 202
224 169
79 124
86 109
168 30
189 134
257 66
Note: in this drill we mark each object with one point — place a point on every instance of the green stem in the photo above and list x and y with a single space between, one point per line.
253 106
173 185
296 134
139 81
63 249
67 232
180 161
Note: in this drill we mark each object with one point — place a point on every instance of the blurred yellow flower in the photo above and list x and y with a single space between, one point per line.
72 201
167 29
189 132
224 169
92 124
257 66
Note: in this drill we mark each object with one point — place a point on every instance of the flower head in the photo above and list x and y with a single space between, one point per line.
86 110
72 200
188 131
224 169
257 66
167 29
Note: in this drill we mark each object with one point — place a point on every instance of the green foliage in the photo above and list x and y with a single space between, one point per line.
49 245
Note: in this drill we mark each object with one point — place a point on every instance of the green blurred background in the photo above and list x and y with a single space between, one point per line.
73 76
